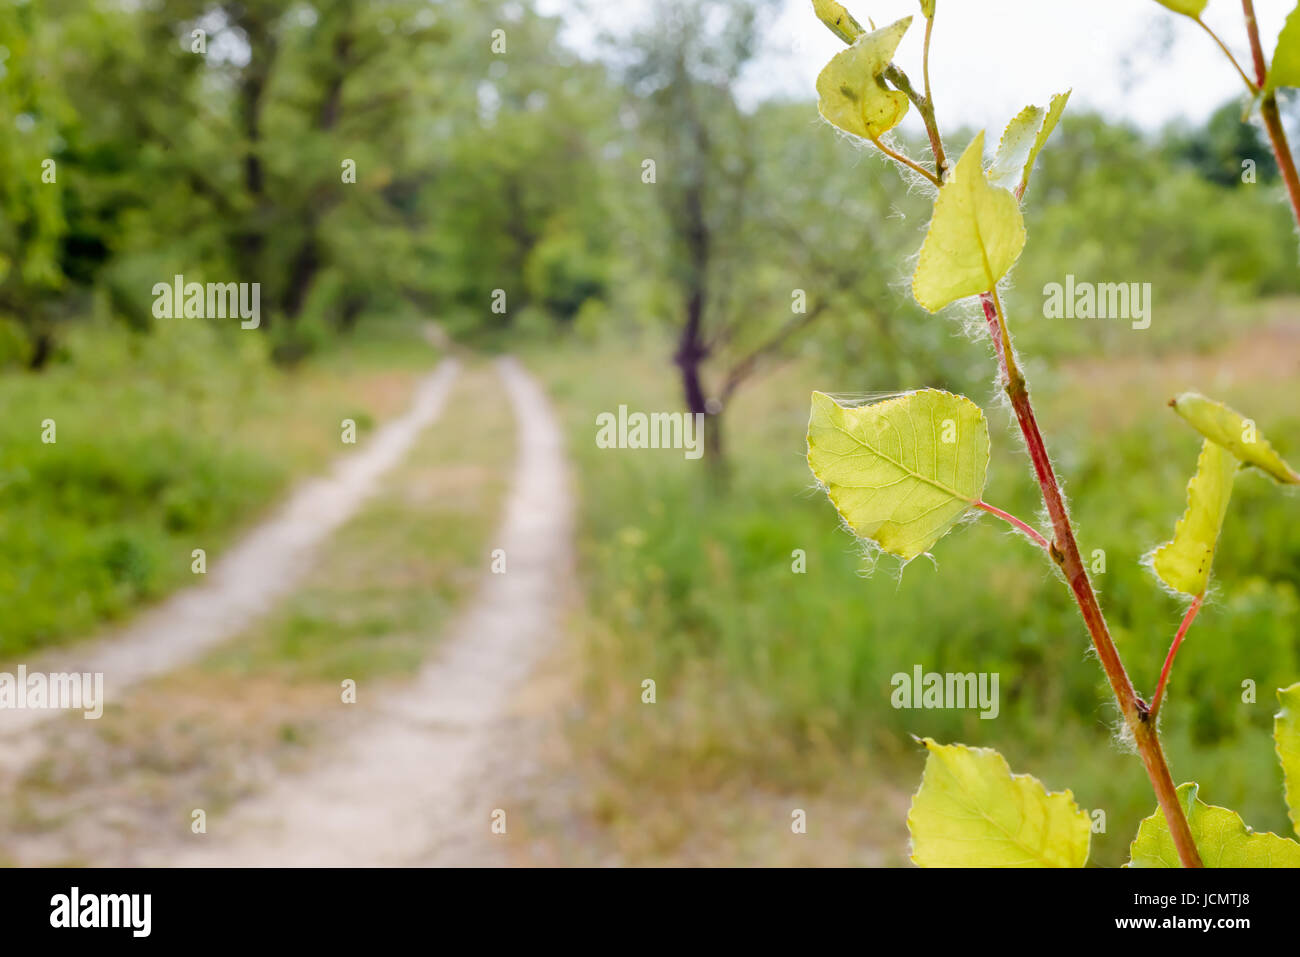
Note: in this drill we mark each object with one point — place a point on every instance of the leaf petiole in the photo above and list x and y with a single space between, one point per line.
1023 526
1173 650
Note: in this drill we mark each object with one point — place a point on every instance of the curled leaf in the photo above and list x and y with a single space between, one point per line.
851 91
974 238
1234 432
1184 563
1221 836
971 811
903 471
1023 140
1286 738
838 20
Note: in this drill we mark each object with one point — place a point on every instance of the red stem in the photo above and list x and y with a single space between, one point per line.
1173 650
1023 526
1268 111
1065 552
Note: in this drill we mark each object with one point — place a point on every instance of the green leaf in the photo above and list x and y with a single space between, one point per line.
1221 836
838 20
1023 141
1013 150
971 811
1285 69
1054 110
975 235
1286 737
1184 563
1190 8
851 93
1237 434
903 471
927 9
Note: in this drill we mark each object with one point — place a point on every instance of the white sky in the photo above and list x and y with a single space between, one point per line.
1132 59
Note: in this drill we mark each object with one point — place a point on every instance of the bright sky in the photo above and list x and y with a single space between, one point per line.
1131 58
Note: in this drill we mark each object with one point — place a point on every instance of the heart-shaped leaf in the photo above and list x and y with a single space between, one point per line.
851 92
1221 836
971 811
975 235
903 471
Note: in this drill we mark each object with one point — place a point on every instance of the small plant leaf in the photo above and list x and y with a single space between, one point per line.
1023 140
903 471
1184 563
851 93
1221 836
971 811
1013 150
838 20
1285 69
927 9
1054 110
1190 8
975 235
1286 737
1234 432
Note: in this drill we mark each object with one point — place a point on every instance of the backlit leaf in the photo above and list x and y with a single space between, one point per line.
1184 563
839 20
1191 8
1221 836
1054 110
851 93
975 235
901 472
1234 432
1286 737
1285 69
1013 150
971 811
1023 140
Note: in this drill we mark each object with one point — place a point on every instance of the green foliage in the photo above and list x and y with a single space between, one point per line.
1285 68
1234 432
164 443
1184 562
1286 735
901 472
838 20
974 239
971 811
1221 836
852 94
1190 8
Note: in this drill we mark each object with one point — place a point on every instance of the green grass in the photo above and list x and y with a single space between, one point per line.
386 584
784 678
164 443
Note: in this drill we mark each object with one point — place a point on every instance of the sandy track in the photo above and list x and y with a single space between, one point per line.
245 581
410 779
